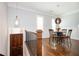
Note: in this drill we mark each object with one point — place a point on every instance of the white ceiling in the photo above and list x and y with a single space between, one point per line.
56 8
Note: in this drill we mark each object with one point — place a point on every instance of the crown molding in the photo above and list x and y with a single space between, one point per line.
22 7
70 13
29 9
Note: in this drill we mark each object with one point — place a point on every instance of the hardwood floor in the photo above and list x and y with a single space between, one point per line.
54 51
47 50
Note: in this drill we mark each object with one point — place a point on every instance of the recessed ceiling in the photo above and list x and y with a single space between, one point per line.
56 8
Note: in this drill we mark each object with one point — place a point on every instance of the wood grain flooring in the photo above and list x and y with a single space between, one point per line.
48 50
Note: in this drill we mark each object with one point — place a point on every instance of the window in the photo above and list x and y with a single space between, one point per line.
53 24
40 22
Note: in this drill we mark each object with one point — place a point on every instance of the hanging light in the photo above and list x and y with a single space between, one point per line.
17 19
16 28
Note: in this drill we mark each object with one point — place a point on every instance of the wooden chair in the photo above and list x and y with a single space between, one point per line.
68 40
54 41
69 32
64 31
51 31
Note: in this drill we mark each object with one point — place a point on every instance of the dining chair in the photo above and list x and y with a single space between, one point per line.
69 38
64 31
51 31
54 42
69 32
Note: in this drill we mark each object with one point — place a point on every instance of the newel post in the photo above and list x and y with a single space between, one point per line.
39 42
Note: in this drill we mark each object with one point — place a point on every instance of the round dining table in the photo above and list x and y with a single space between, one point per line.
59 39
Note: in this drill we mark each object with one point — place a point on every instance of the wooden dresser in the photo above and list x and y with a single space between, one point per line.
16 44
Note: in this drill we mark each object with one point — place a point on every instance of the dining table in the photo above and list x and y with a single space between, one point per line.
58 38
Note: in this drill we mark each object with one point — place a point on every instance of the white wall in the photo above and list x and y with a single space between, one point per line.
3 28
47 26
71 22
28 20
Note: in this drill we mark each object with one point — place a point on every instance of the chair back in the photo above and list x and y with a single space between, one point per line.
64 31
69 32
51 31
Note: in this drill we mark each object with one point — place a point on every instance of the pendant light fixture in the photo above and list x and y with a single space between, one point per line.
17 19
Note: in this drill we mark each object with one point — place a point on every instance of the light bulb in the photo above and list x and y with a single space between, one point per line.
16 22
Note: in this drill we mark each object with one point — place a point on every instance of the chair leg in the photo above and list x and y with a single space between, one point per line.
63 42
70 43
67 43
50 41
